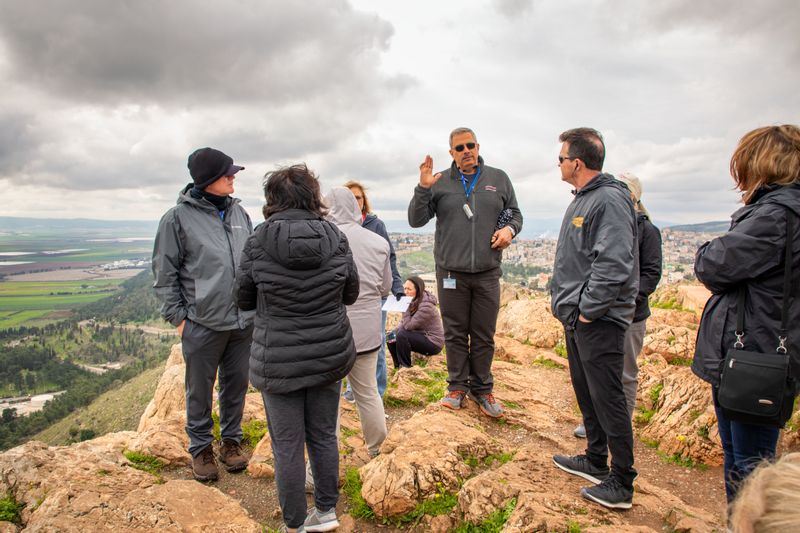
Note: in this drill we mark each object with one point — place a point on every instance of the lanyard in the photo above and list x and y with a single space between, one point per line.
474 180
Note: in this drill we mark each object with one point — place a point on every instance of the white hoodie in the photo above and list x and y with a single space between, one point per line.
371 256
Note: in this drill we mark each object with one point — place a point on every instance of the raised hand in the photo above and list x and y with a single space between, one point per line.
426 177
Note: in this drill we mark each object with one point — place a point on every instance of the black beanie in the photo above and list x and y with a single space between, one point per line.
207 165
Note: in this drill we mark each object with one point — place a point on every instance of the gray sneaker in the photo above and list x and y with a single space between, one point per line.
580 432
319 521
610 493
348 395
488 404
454 399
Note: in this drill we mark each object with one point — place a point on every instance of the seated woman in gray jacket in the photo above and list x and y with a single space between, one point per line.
420 329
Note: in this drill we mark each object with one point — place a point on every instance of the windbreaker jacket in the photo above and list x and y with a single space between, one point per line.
596 267
376 225
650 263
298 272
751 254
195 256
426 319
462 244
371 255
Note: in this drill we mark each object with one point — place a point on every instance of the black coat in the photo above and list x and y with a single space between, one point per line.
649 264
297 271
751 253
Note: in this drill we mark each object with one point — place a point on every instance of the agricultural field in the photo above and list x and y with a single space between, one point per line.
32 303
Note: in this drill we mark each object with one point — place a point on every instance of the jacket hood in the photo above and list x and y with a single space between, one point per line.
604 180
787 196
298 239
430 297
343 207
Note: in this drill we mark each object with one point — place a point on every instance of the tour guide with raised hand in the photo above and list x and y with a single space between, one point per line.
593 293
476 218
195 256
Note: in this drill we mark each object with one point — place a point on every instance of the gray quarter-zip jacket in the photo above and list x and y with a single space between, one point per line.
462 244
195 257
596 267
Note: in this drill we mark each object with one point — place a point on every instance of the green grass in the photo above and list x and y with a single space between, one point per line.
655 392
547 363
352 490
12 319
560 349
253 431
144 462
510 404
681 361
644 415
494 523
573 527
10 509
443 502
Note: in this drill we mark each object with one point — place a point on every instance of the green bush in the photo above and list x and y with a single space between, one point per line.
144 462
253 431
10 509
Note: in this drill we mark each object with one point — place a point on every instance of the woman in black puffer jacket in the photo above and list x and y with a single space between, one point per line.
297 271
766 168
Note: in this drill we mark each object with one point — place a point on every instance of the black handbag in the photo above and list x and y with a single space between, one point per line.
758 388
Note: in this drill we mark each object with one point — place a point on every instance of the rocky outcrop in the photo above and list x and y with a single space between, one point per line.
683 424
92 486
530 322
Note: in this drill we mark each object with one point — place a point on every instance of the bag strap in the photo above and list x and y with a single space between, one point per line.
787 284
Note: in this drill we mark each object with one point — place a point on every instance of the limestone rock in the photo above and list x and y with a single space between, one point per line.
170 395
684 422
260 464
421 456
531 322
90 486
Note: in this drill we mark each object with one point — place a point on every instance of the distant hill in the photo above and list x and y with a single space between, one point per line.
718 226
118 228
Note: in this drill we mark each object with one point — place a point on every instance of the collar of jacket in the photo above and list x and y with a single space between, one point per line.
600 180
456 173
787 196
293 214
185 197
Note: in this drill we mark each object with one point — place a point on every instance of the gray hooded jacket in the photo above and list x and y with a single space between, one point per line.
195 257
371 256
596 267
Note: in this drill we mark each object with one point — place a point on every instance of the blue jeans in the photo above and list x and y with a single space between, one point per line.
380 371
744 447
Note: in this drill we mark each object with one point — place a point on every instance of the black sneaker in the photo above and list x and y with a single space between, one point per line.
610 493
580 465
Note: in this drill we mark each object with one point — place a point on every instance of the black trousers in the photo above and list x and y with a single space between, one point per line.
410 341
595 354
469 316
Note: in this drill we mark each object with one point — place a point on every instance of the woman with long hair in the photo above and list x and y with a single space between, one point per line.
297 271
420 329
751 257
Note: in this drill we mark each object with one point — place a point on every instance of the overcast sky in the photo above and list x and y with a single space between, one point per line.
102 100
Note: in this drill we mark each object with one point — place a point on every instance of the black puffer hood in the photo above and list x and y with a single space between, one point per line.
299 246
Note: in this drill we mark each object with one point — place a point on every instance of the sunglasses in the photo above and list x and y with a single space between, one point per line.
562 158
460 147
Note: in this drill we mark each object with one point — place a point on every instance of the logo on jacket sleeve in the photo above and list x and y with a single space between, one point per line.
577 222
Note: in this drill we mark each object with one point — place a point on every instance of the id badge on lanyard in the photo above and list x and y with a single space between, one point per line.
468 191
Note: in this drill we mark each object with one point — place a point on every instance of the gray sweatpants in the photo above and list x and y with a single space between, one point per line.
206 352
307 417
634 339
370 405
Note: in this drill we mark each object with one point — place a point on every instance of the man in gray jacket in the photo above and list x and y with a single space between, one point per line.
371 255
476 219
195 256
593 293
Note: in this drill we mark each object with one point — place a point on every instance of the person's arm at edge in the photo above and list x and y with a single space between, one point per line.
166 264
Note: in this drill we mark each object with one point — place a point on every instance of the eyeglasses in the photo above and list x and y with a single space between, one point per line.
460 147
562 158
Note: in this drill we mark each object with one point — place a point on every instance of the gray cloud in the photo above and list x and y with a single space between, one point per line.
197 53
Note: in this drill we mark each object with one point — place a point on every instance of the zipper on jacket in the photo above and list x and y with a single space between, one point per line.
230 252
472 224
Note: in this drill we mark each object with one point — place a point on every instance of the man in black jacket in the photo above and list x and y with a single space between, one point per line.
649 242
593 294
476 218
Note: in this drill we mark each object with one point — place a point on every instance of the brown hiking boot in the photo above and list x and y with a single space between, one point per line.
204 468
231 456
